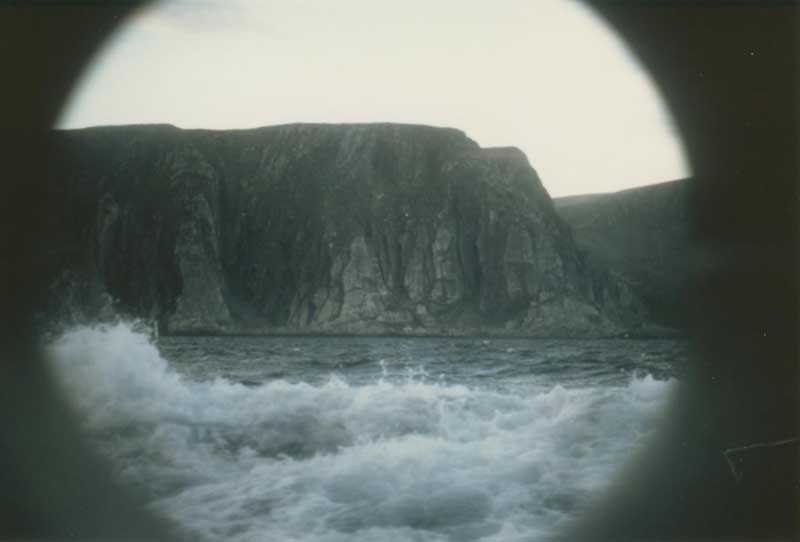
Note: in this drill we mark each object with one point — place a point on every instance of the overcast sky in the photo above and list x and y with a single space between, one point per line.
546 76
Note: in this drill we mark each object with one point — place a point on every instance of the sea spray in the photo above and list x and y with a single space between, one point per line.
344 457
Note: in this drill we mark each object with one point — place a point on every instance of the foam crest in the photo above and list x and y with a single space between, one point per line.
410 460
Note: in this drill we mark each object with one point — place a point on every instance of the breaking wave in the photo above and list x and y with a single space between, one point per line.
411 460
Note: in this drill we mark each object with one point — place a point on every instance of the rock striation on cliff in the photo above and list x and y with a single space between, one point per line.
311 228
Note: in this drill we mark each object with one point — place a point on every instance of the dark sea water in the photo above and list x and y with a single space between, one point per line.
366 439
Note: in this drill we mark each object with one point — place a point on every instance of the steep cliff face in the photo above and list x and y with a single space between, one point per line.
644 236
370 228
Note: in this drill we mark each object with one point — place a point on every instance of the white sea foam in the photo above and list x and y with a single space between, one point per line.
334 462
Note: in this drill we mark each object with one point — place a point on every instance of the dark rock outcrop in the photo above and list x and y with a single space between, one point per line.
644 236
368 228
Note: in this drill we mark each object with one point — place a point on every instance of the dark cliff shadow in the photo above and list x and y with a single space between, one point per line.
729 76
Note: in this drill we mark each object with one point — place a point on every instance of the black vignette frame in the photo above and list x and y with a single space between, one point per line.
727 466
728 72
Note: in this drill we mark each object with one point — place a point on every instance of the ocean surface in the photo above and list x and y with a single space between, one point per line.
366 439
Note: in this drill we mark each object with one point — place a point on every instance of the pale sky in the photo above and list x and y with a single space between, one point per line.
546 76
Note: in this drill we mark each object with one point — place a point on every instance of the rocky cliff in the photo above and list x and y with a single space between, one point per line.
364 228
644 236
